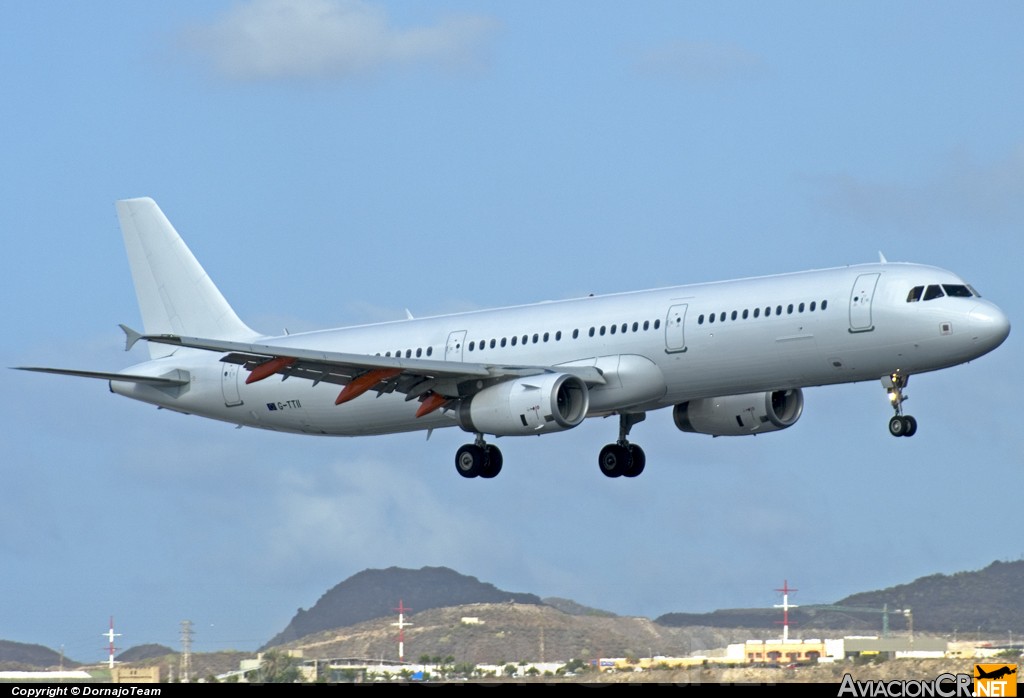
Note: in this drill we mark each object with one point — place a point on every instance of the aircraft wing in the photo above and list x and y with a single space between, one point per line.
110 376
416 378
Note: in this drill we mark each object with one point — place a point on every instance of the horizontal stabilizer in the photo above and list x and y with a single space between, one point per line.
103 375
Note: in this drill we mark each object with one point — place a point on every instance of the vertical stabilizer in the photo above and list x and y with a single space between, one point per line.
176 295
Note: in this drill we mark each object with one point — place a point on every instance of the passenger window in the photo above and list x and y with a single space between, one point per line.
721 317
789 309
915 294
430 350
558 336
778 310
419 352
768 311
812 306
700 319
602 330
734 315
636 326
647 325
800 308
493 343
624 327
657 324
824 304
711 317
591 333
546 335
933 292
526 338
514 340
745 314
575 334
612 329
535 339
757 312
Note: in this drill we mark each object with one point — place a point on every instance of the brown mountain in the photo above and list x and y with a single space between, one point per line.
376 594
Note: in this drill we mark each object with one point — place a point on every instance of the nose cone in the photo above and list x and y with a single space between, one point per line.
989 326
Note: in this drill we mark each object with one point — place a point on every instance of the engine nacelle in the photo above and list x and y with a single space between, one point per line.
737 415
529 405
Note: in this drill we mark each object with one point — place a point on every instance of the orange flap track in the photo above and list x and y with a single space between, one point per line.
430 403
269 368
361 384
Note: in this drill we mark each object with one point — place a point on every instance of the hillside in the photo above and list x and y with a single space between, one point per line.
376 593
511 632
985 600
19 656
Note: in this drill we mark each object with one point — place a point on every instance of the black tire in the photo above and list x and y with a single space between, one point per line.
470 460
494 460
638 459
909 426
897 426
614 460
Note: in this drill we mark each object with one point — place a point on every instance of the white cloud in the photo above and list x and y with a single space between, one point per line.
700 61
963 191
331 39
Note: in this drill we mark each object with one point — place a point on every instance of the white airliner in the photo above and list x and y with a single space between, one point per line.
729 358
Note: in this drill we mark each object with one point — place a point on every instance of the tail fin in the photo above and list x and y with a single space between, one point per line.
176 296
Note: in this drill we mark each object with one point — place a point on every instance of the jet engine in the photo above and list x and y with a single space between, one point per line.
529 405
737 415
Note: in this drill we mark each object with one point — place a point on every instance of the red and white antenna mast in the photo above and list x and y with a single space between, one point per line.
402 624
785 608
110 635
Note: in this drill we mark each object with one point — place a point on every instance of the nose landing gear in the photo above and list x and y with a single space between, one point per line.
901 424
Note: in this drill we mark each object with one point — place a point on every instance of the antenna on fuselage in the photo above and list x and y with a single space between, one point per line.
881 258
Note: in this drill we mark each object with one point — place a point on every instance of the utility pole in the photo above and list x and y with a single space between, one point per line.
110 635
785 609
186 651
402 625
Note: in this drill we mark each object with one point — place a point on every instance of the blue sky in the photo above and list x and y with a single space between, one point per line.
335 162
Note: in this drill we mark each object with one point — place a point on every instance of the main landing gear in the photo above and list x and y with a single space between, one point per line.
901 424
623 458
478 459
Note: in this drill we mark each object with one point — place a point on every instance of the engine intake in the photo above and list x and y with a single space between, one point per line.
529 405
737 415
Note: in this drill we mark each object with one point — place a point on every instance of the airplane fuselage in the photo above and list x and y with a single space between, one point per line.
655 349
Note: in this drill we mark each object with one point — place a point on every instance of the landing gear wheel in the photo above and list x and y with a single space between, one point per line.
615 460
638 459
902 425
494 460
470 460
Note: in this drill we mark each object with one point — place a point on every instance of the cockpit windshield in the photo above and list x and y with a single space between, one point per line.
933 291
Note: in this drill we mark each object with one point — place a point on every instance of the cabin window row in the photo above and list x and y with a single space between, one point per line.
767 312
418 352
538 338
